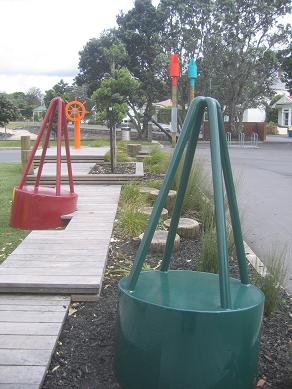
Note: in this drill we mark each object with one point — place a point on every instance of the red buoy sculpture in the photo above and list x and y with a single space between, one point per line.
38 207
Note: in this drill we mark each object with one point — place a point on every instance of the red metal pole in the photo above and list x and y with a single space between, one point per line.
36 145
68 157
45 147
59 146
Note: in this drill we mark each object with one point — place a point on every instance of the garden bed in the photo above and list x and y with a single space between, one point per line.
121 168
85 352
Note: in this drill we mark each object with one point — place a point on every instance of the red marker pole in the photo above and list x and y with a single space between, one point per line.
174 72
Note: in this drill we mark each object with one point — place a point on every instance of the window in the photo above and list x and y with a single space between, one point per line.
285 117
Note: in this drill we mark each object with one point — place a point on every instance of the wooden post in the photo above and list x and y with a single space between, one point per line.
25 152
149 134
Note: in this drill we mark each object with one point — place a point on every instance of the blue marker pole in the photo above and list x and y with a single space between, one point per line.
192 75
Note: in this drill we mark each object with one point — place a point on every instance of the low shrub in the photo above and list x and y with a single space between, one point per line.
157 161
131 222
271 283
132 197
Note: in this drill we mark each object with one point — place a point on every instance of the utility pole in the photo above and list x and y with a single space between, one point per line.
174 71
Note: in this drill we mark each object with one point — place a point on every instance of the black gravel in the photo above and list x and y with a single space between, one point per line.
84 356
121 168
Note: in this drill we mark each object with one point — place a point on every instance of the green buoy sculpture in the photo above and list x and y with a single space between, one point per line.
180 329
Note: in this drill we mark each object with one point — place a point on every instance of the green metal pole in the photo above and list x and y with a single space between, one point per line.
219 204
231 195
189 156
161 199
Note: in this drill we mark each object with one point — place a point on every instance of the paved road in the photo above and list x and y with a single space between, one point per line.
264 191
9 156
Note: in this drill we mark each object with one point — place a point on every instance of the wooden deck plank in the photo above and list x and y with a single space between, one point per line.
23 342
31 317
11 357
21 375
50 329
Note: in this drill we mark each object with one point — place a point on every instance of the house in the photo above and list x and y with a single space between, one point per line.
284 107
39 112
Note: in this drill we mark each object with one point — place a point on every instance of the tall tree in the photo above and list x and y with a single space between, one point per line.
61 89
233 41
285 57
99 56
8 111
140 30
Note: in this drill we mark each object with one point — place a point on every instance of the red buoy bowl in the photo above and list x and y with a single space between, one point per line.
40 208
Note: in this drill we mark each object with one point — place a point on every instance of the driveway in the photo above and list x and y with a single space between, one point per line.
264 191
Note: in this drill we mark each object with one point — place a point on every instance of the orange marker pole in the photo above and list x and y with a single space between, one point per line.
77 132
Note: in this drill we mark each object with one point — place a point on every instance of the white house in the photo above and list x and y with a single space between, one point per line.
284 106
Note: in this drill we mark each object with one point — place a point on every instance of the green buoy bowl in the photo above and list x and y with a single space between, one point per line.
173 334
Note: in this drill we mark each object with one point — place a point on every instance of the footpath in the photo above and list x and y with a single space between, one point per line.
40 278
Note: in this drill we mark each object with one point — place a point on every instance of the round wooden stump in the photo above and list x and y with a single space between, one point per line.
151 193
187 228
158 242
148 210
170 201
133 149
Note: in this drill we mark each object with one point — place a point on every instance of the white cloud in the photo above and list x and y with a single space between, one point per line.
40 40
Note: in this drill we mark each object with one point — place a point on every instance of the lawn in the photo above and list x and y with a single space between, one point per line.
92 143
9 237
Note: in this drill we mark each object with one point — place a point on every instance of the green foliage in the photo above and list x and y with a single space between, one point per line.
131 222
97 57
272 282
157 162
209 256
197 185
122 154
9 237
156 184
209 251
61 89
7 111
285 57
124 269
131 197
272 113
113 92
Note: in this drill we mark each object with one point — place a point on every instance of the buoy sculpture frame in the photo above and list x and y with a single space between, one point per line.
38 207
188 329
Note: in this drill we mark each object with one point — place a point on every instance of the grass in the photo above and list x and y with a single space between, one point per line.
271 284
9 237
131 222
197 185
157 161
131 197
86 142
9 143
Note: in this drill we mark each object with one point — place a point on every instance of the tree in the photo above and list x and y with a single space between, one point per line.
285 58
98 57
234 42
111 106
8 111
140 30
61 89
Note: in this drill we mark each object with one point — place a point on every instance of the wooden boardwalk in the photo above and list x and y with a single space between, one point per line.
29 329
55 262
69 261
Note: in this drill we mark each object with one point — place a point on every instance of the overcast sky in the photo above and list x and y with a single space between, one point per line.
40 40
